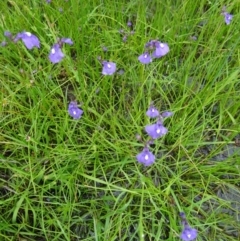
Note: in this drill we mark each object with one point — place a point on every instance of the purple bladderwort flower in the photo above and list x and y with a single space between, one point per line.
156 130
138 137
121 31
121 72
109 68
160 50
29 40
150 44
105 49
74 111
188 233
155 49
48 1
194 38
129 24
7 34
152 112
124 39
126 34
145 58
146 157
167 114
227 17
3 43
65 41
56 54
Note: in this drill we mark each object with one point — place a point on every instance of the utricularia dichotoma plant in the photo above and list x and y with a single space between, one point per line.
155 131
153 49
188 233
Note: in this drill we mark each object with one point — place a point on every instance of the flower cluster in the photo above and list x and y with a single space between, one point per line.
30 41
125 34
188 233
154 49
155 131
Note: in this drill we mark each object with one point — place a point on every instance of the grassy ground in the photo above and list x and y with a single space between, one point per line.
64 179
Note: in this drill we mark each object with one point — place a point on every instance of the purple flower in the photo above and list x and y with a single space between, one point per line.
156 130
66 41
194 38
7 34
121 31
124 39
109 68
104 48
146 157
30 40
228 17
129 24
74 111
56 54
152 112
167 114
145 58
3 43
121 72
188 233
161 50
150 44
